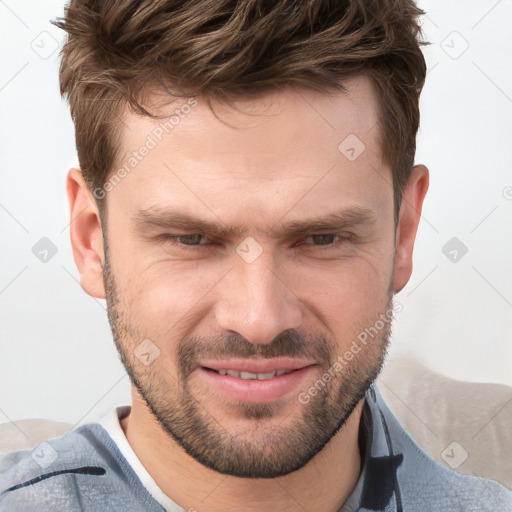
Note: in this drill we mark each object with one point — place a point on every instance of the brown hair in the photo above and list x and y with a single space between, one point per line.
117 49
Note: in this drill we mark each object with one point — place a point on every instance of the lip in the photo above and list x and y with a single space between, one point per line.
257 366
253 390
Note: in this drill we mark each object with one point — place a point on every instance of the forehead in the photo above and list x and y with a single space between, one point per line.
296 113
261 152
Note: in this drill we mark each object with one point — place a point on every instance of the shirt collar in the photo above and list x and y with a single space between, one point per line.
377 487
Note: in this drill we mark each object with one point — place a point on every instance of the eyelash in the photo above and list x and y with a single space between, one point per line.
173 240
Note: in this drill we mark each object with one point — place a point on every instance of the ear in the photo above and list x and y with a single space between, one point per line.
409 218
86 234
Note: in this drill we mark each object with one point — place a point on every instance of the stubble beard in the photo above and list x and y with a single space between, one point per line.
266 448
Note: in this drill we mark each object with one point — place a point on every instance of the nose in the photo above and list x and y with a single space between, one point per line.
257 301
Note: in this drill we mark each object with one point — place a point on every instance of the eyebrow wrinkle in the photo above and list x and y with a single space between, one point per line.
174 219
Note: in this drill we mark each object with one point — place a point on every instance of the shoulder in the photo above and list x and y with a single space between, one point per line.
82 465
426 485
66 452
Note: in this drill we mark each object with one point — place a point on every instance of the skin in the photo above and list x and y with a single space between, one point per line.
275 162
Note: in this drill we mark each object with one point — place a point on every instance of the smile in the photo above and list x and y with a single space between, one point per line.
256 381
250 375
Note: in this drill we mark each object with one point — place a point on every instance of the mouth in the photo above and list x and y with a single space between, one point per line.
249 375
255 380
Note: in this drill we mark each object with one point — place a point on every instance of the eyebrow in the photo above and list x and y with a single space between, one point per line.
175 219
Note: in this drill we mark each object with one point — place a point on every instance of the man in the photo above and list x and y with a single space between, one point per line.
247 204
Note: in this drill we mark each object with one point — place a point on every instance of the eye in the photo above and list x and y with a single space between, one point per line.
328 239
323 239
191 240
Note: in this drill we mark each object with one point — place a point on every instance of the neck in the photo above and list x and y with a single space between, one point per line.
323 484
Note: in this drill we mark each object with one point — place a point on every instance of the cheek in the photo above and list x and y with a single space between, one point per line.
168 298
170 295
348 296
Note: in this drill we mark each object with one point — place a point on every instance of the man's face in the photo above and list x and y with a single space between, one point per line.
256 291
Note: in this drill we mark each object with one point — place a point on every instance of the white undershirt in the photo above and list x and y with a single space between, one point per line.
111 424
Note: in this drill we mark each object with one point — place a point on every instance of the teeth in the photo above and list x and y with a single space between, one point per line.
252 376
263 376
248 375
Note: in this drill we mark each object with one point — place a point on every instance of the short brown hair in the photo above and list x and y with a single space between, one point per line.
115 49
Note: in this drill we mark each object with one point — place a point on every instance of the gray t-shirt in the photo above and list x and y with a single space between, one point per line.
85 470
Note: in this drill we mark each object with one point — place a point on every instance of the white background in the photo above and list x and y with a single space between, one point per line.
57 357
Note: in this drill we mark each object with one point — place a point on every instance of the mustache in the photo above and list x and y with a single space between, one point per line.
289 343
